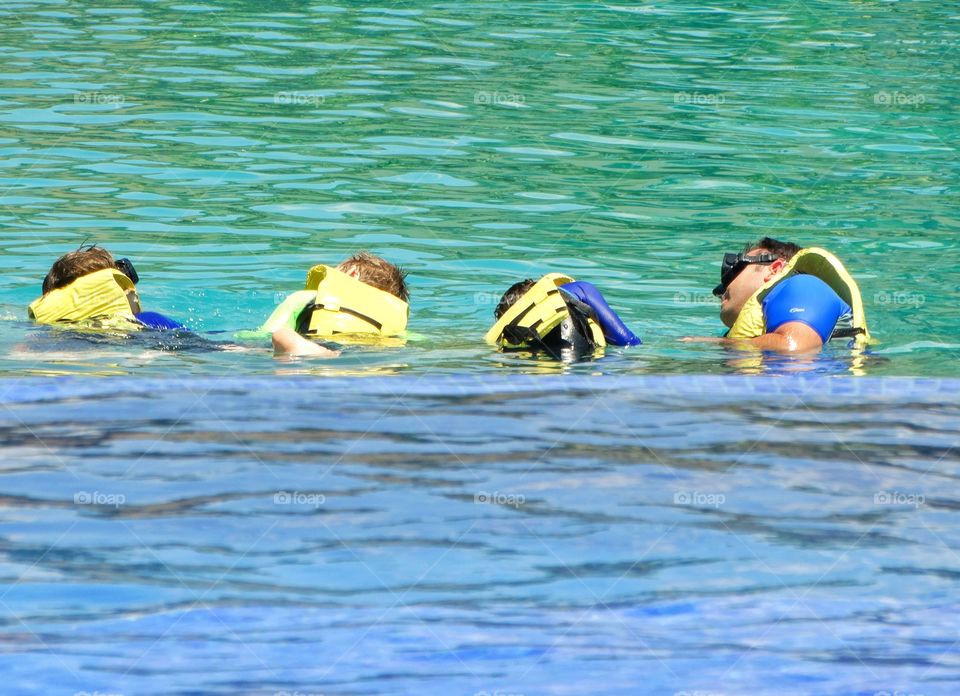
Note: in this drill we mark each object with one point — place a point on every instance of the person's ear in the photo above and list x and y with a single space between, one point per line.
774 269
353 272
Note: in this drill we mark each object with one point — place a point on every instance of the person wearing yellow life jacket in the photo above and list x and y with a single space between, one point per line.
363 298
778 296
559 316
87 288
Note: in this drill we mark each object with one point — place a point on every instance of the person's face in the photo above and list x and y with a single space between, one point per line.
744 285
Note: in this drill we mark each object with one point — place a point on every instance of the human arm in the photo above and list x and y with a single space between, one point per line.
800 314
286 341
614 330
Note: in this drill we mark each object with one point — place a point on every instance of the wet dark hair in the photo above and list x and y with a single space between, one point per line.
782 250
514 293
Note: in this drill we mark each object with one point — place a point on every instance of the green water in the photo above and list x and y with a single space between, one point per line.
226 148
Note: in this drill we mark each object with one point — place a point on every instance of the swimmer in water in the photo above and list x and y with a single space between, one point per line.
780 297
363 296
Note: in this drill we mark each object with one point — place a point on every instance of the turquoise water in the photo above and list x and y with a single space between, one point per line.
226 149
439 518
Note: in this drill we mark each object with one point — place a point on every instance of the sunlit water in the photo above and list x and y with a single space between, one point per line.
226 149
438 518
525 535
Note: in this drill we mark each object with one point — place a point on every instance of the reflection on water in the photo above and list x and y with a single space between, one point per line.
459 535
54 351
464 521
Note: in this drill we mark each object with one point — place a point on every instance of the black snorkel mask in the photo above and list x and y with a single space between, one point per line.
733 265
569 341
125 266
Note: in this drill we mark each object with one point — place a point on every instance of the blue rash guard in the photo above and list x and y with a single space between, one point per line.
155 320
614 330
807 299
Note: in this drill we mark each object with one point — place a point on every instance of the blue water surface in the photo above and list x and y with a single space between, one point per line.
439 518
531 535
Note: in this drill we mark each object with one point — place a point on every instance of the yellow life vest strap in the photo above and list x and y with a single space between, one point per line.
306 316
816 262
535 314
105 294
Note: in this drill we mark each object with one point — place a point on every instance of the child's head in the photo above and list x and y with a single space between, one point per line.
375 271
514 293
77 264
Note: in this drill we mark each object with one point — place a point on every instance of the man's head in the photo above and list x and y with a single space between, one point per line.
759 262
77 264
373 270
513 293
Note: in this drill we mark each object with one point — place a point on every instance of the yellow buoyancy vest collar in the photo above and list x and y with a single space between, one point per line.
107 296
535 314
816 262
345 305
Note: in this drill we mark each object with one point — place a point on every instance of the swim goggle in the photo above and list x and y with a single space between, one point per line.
733 264
125 266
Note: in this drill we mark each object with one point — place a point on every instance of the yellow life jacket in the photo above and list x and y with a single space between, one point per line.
105 299
540 310
816 262
341 304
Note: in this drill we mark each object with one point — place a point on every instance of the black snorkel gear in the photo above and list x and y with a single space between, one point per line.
546 319
733 265
125 266
570 340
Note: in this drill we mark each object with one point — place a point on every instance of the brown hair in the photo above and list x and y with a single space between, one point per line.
782 250
77 264
375 271
513 293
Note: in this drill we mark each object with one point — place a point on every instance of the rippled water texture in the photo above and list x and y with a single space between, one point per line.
227 148
524 535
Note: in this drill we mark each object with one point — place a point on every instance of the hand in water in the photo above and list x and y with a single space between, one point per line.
286 341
